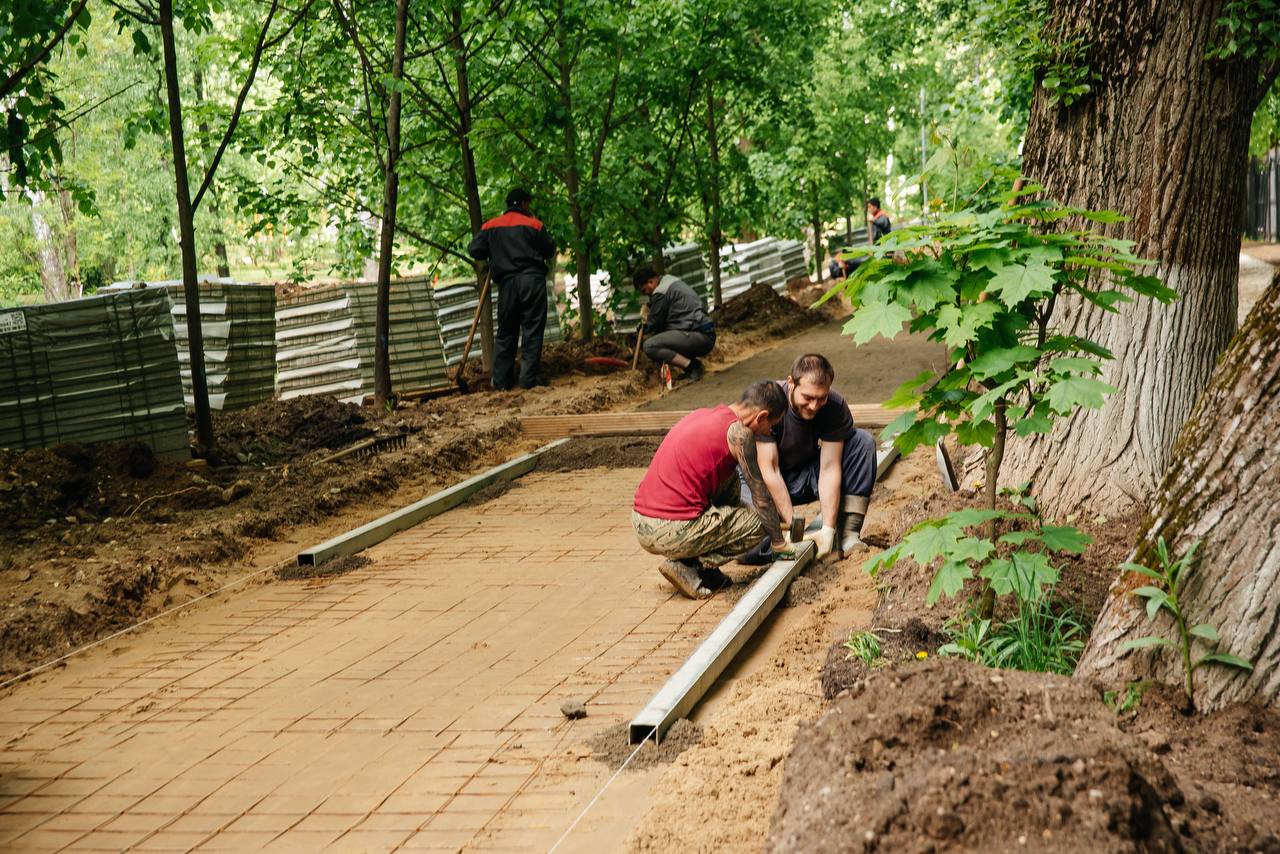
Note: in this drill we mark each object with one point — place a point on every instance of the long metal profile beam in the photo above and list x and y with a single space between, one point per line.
380 529
699 672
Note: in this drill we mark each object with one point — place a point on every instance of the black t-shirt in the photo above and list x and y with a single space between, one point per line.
797 439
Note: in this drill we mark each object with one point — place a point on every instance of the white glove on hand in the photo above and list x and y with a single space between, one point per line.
824 539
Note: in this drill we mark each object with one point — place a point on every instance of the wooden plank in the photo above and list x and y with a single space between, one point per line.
433 505
700 670
545 427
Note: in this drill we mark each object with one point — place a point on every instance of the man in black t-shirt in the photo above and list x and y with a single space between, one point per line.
816 453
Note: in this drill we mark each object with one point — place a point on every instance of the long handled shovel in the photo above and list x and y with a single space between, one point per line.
471 336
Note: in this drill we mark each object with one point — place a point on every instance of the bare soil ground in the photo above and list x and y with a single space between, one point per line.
945 755
99 537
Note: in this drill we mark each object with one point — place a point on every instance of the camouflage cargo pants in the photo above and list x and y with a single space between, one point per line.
720 534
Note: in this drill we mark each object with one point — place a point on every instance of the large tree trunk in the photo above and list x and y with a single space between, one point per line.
1223 488
390 204
186 233
470 181
1162 138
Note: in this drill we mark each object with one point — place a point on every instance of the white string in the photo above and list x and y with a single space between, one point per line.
124 631
653 734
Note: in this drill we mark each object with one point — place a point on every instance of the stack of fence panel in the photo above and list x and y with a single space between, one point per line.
237 322
457 308
98 369
316 347
416 353
759 261
793 263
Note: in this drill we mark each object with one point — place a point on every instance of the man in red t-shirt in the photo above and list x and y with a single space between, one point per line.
686 507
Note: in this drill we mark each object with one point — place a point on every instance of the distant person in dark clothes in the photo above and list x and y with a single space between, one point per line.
877 220
518 250
678 330
878 225
815 453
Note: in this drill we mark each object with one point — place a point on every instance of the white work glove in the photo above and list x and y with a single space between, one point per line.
824 539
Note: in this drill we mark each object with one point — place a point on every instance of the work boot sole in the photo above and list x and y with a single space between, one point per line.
684 579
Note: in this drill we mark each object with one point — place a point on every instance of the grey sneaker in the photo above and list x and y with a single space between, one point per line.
695 371
683 576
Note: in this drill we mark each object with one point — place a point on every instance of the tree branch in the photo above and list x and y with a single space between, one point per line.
239 107
41 55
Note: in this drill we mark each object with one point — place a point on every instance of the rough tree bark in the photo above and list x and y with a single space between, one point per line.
390 204
1223 488
470 181
1162 138
715 238
186 233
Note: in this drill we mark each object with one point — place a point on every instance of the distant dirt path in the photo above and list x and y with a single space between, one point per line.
864 374
1258 265
413 702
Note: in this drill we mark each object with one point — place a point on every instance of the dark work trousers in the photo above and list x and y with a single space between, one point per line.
522 315
857 477
664 345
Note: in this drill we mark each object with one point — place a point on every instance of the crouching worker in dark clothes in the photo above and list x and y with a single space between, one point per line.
816 453
686 508
518 250
678 330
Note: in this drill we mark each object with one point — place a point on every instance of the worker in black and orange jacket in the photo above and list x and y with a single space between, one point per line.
518 249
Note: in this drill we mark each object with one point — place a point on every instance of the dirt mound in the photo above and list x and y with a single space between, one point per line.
947 755
761 306
612 746
279 429
570 357
73 483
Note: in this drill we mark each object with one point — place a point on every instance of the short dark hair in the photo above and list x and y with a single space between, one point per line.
874 200
765 394
518 196
643 275
813 366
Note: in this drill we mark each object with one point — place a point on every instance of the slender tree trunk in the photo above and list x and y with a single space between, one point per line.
70 244
470 182
1222 488
658 244
390 203
817 237
572 183
1162 137
53 277
186 233
219 240
715 238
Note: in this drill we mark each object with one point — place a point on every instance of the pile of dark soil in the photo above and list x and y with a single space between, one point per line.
611 746
842 671
570 357
619 452
944 755
761 306
287 429
73 483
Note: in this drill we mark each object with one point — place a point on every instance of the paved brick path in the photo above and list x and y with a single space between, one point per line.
412 703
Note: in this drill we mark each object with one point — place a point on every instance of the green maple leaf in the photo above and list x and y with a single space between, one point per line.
998 361
929 541
1024 573
948 580
884 319
991 259
1016 282
1066 394
959 326
1064 539
927 287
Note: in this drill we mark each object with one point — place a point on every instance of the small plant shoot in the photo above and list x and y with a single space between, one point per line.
1170 580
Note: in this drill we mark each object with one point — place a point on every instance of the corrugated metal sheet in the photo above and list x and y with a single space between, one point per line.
238 323
744 264
325 340
102 368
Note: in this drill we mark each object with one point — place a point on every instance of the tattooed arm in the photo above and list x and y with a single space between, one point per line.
742 442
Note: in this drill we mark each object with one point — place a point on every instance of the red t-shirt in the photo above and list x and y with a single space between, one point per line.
689 466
